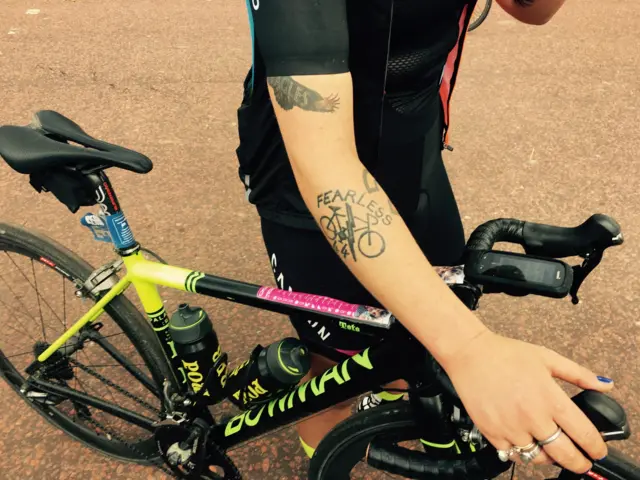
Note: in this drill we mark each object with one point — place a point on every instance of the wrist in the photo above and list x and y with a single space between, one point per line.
454 345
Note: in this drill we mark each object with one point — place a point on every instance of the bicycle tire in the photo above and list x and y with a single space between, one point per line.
134 326
482 17
347 444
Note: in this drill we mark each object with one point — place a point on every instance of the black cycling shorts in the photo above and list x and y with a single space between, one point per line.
304 261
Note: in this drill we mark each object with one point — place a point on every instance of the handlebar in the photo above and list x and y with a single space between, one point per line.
604 412
597 233
588 240
485 464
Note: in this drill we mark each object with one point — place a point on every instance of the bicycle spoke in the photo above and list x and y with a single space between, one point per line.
111 350
33 269
29 282
75 369
24 307
64 302
20 354
73 404
91 366
82 398
82 385
117 365
113 335
14 328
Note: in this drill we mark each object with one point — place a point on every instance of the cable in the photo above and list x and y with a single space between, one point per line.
154 255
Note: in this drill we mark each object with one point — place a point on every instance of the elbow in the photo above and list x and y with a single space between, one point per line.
538 20
531 14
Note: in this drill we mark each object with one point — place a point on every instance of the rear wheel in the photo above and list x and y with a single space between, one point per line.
480 13
41 295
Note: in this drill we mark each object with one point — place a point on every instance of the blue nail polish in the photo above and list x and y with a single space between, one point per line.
601 459
605 380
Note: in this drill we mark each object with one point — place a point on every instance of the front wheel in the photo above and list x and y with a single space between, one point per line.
342 452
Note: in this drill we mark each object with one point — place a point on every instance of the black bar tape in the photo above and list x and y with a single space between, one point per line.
416 464
498 230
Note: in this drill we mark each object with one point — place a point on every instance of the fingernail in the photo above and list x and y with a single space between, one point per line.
601 459
605 379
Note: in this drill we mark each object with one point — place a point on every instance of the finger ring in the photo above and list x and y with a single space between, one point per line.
526 448
504 455
552 438
528 455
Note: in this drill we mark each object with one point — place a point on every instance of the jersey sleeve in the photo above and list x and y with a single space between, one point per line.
301 37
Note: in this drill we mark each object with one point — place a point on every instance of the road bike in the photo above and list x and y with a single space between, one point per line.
154 408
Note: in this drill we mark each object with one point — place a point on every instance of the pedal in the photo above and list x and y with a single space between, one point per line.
184 449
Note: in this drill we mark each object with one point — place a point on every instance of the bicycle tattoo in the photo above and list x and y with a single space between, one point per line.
351 234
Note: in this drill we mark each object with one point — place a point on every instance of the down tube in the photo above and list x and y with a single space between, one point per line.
368 369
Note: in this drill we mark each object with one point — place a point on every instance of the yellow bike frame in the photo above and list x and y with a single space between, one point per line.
144 275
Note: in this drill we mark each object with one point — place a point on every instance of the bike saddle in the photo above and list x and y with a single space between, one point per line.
43 145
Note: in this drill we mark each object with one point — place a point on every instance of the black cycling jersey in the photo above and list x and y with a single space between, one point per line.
402 55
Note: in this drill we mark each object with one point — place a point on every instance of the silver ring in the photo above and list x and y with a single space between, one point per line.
504 455
528 455
552 438
529 447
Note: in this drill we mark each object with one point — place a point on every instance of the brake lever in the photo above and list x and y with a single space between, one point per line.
581 272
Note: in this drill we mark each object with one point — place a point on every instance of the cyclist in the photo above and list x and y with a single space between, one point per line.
342 125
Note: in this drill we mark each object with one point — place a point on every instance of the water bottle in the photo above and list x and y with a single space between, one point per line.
204 366
268 370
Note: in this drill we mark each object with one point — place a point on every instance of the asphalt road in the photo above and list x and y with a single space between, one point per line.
545 129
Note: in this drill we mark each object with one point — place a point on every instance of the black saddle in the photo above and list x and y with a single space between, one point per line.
43 146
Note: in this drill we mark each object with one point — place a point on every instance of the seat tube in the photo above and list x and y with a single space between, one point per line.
117 224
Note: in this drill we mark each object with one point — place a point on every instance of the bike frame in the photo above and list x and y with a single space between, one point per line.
362 372
372 367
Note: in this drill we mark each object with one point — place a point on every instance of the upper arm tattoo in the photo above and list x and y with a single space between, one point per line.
289 94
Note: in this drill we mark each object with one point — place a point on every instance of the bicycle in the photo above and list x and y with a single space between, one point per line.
179 434
479 14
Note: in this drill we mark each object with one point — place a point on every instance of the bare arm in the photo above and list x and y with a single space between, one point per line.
316 120
506 386
533 12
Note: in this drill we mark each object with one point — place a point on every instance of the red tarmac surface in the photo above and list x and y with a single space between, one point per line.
546 128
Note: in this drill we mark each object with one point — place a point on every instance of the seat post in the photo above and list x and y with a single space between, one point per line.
119 230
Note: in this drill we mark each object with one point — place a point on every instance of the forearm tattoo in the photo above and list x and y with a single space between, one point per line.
354 221
290 93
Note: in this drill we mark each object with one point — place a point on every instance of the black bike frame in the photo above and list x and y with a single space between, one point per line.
365 371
